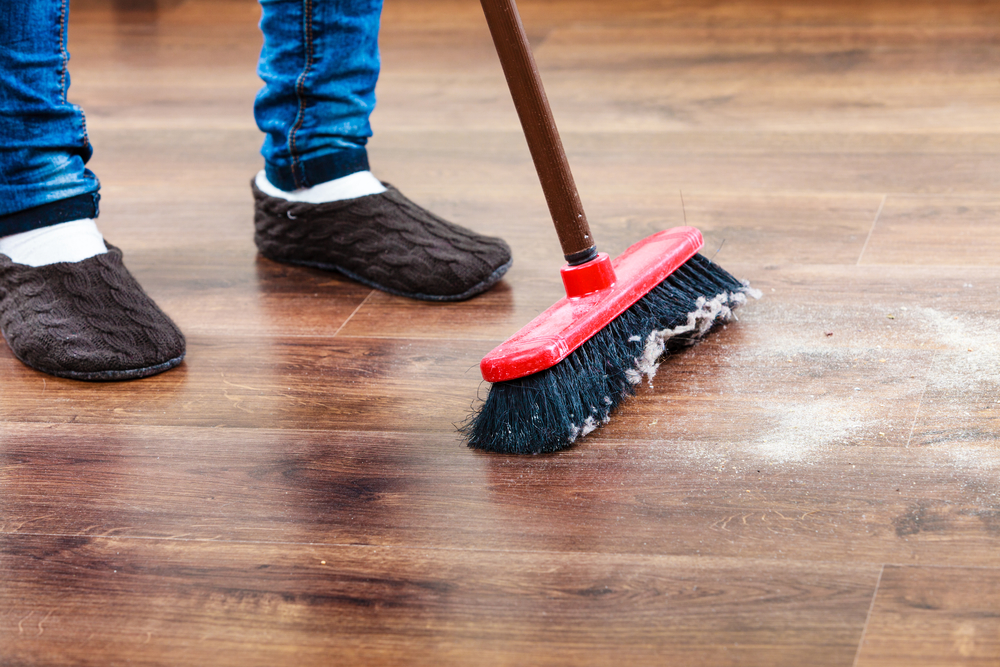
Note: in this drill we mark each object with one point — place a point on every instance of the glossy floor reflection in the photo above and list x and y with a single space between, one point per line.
816 484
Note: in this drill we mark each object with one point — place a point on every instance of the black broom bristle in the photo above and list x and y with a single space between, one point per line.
549 410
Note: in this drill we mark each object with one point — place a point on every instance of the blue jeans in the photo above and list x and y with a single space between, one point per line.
319 65
43 138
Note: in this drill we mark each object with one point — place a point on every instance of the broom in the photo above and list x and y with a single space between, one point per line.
563 374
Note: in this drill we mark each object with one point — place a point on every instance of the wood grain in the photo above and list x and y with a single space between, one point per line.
239 604
813 485
934 616
955 231
652 495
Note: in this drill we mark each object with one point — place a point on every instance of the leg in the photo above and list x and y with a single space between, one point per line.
316 202
319 65
43 138
68 306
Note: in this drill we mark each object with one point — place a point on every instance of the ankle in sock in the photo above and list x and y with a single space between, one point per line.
72 241
352 186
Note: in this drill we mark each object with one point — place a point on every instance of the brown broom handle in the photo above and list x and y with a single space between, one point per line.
540 130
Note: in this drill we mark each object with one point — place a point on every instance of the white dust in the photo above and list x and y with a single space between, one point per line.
810 427
969 356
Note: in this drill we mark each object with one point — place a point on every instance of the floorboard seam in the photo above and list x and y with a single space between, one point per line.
868 618
882 565
871 230
353 313
920 401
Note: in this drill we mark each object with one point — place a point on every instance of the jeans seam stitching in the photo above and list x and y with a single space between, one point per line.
62 51
64 55
299 93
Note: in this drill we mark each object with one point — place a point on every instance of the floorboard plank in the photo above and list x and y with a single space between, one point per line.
955 231
235 604
853 503
934 616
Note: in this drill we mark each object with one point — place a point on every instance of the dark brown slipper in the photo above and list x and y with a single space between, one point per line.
86 320
384 241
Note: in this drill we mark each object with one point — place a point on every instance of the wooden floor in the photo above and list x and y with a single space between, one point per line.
815 485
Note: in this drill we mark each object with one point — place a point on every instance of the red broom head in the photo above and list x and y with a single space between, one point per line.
596 293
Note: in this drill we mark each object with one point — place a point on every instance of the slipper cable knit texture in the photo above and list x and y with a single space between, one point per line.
384 241
87 320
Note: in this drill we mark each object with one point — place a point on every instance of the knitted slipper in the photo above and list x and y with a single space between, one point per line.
86 320
384 241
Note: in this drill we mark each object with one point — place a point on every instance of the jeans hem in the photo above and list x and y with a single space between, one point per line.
307 173
53 213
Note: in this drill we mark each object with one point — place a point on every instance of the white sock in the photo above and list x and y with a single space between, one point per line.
72 241
352 186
